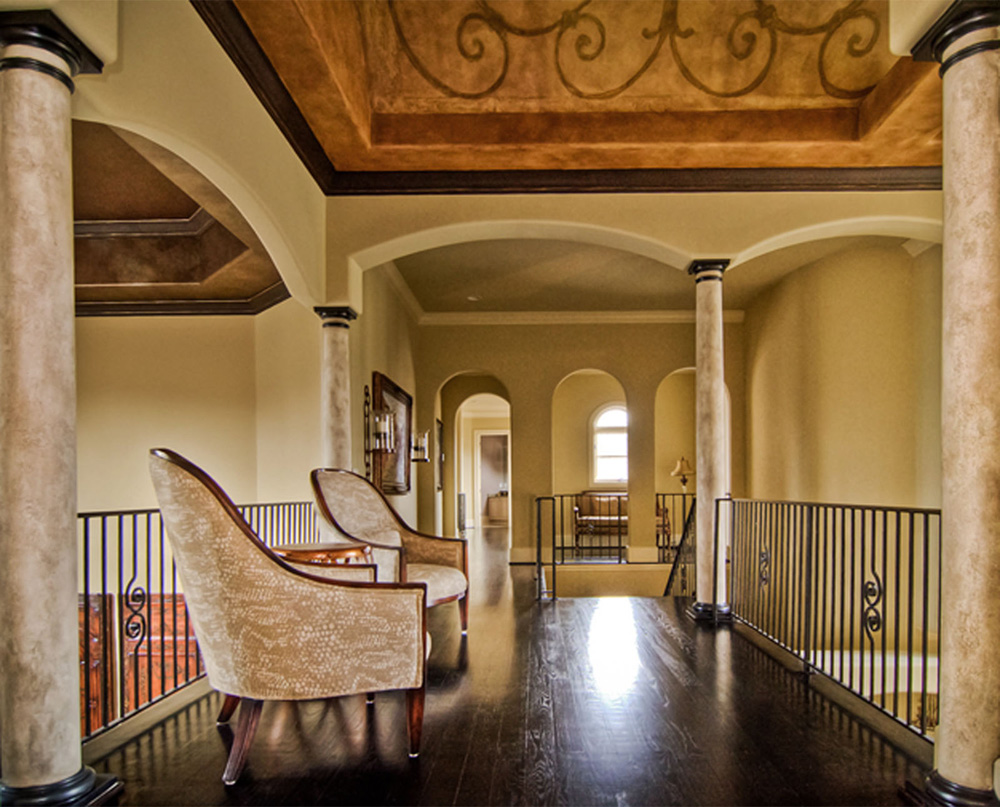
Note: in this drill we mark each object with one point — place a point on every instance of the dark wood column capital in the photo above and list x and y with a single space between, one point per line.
43 29
708 268
336 316
962 18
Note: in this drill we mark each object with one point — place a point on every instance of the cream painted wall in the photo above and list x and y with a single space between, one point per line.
289 349
385 338
185 383
675 430
843 382
574 403
531 360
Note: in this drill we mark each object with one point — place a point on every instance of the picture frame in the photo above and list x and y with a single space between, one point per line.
391 470
439 435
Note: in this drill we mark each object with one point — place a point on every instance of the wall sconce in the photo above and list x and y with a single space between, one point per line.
683 470
418 450
380 432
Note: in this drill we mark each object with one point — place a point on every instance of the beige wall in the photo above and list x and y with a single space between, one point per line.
675 430
574 403
843 381
385 338
185 383
289 349
530 361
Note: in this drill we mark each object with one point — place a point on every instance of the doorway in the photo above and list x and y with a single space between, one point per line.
492 478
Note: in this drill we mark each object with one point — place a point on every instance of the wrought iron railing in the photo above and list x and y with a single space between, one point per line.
680 582
137 644
672 511
852 591
593 527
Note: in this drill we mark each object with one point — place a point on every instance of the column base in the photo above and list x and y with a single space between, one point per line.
941 792
82 789
709 613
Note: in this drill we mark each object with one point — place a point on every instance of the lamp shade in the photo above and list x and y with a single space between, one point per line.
682 468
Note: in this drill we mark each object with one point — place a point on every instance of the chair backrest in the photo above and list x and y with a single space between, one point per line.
355 506
230 579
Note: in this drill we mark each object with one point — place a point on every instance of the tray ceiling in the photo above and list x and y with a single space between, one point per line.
546 85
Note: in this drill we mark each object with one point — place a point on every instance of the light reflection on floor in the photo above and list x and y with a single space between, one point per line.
614 656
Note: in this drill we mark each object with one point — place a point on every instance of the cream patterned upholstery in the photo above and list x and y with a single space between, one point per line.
270 630
353 507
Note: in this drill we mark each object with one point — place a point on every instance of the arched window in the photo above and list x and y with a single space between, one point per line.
610 444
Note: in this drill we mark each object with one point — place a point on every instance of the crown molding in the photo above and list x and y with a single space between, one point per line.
193 226
250 306
494 318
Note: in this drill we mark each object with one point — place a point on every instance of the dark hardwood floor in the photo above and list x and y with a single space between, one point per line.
593 701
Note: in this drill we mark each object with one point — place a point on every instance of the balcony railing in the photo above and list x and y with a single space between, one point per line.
852 591
137 644
593 527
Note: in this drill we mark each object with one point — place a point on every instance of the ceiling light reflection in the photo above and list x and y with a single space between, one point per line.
614 657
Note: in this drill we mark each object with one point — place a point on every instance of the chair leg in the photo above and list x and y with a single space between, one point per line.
228 707
463 612
246 727
369 698
414 718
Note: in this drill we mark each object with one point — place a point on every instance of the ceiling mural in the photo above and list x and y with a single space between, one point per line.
406 86
600 50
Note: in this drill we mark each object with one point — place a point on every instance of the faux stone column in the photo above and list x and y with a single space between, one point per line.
965 41
39 651
336 383
710 440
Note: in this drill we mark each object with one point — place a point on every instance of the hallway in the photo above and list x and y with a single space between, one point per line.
592 701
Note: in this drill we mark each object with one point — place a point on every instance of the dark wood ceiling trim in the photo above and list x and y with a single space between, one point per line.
694 180
260 302
224 21
227 25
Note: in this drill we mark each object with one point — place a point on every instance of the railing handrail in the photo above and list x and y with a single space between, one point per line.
840 505
150 510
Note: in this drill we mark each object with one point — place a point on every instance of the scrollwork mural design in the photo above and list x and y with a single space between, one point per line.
589 41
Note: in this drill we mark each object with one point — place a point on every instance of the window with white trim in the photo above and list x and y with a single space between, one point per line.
609 463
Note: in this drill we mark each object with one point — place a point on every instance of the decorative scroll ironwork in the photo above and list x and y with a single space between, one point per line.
764 568
590 41
135 623
873 617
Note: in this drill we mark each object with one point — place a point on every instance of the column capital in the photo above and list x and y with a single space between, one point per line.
708 268
42 29
336 316
962 18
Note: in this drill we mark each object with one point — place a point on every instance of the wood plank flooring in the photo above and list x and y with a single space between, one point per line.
608 701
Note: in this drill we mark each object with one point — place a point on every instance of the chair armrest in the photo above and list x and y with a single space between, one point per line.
436 549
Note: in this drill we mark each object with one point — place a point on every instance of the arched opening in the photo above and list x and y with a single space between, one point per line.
581 402
473 457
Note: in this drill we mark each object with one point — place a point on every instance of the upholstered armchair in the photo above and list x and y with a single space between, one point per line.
270 630
354 508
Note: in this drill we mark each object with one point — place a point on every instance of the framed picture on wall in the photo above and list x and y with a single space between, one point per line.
439 434
391 470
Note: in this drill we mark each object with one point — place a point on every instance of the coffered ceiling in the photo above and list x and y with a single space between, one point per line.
366 89
153 236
